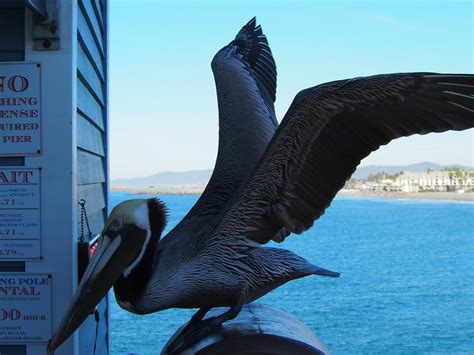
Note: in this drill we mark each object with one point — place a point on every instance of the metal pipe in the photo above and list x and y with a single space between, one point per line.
38 7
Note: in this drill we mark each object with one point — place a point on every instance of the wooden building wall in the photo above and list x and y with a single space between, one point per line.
12 34
74 152
12 49
91 133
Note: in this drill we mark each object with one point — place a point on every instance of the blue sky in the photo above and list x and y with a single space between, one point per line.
163 109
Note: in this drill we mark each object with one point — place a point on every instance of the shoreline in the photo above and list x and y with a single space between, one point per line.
161 190
198 189
428 196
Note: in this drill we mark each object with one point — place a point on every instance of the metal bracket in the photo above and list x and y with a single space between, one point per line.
46 34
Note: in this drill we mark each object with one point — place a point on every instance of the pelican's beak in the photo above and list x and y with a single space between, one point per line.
110 258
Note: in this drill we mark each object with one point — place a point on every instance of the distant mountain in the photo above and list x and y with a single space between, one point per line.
194 177
363 172
201 177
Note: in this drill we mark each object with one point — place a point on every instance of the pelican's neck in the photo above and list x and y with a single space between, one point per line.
129 286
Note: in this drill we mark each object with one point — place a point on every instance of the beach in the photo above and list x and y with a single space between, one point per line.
441 196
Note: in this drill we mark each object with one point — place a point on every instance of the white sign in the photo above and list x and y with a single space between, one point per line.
20 109
25 308
20 214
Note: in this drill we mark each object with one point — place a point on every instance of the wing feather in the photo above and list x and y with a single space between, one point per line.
245 76
326 132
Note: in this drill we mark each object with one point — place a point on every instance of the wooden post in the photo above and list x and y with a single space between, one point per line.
258 329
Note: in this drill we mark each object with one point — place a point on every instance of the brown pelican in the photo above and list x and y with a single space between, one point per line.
265 186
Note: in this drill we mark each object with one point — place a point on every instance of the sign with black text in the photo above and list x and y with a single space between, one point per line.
20 108
20 213
25 308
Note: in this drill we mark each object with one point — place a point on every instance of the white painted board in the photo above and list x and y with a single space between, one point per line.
20 213
20 109
25 308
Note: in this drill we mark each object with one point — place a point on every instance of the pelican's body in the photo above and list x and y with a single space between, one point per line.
267 184
194 280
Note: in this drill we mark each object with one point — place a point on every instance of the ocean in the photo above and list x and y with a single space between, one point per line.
406 285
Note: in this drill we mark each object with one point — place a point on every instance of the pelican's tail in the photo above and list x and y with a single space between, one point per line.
316 270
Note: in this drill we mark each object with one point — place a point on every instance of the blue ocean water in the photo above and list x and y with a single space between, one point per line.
407 283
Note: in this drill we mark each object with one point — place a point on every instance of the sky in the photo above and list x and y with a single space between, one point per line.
163 106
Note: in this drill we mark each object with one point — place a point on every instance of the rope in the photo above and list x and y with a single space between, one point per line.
97 319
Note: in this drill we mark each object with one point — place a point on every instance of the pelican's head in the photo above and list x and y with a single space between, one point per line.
121 246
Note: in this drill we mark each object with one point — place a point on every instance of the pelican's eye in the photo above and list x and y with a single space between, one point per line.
116 225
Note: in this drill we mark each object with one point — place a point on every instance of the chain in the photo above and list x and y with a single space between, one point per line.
84 217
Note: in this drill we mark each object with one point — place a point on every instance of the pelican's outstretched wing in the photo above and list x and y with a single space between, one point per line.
245 76
324 135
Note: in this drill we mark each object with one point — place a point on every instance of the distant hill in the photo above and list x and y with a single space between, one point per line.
201 177
363 172
193 177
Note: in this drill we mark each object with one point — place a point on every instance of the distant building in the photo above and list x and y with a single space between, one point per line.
406 181
452 180
384 185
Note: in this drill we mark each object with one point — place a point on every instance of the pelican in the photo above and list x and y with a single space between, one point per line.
269 181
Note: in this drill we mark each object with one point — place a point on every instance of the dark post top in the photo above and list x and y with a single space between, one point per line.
258 329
